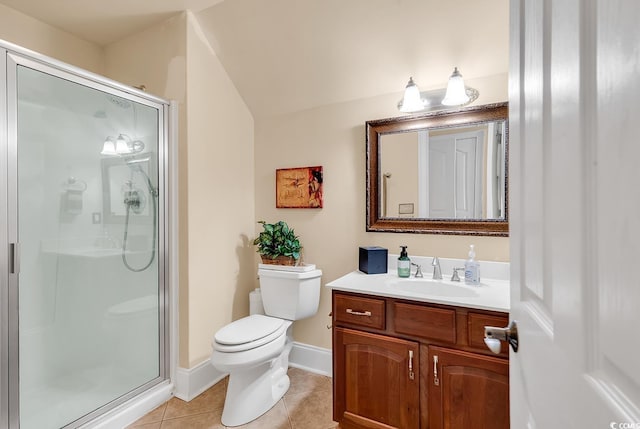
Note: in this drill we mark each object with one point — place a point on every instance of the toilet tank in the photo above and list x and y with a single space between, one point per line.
290 295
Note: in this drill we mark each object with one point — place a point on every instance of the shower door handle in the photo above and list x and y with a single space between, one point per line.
14 258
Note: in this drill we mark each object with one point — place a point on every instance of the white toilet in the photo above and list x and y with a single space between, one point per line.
255 350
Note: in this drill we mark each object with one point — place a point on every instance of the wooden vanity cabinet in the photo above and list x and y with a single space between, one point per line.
403 364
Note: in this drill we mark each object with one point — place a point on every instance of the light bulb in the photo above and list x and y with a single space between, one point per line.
456 92
412 101
109 147
122 146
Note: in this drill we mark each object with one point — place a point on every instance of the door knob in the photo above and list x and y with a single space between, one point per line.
493 336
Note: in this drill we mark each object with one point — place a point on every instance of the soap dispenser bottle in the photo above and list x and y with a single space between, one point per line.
472 268
404 263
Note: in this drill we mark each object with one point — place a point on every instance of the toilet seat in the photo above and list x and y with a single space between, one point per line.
248 333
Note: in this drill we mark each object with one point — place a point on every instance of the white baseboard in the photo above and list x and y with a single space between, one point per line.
311 358
191 382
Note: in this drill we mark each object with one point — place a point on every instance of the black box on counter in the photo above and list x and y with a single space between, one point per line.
373 260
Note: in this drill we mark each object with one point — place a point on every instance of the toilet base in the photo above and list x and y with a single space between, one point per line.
252 392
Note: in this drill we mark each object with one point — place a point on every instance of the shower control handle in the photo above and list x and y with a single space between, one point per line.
132 198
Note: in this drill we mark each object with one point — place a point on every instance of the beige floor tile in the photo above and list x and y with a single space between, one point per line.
212 400
275 418
312 410
152 417
304 382
199 421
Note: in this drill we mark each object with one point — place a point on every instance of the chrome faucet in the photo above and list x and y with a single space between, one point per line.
418 273
437 272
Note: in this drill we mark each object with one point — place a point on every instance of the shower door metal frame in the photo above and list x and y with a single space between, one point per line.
4 247
12 57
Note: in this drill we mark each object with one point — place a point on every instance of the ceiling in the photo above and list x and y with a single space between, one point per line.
290 55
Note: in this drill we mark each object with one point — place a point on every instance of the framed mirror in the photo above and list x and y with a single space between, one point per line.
440 172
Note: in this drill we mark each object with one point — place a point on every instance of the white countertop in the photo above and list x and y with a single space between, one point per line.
491 294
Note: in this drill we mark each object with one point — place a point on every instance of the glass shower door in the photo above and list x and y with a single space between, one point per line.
89 223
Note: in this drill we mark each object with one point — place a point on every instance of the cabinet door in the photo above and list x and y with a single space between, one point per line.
376 381
467 390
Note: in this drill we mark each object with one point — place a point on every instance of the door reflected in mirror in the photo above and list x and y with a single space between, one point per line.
442 172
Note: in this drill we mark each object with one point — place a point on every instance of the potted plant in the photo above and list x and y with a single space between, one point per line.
278 244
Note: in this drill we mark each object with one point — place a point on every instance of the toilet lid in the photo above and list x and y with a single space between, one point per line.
248 329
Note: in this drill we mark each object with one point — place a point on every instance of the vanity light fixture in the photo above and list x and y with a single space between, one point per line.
455 95
123 145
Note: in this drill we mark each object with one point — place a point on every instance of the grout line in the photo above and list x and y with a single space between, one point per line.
166 405
286 409
190 415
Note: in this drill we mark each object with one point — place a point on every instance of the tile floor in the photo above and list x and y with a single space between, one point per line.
307 405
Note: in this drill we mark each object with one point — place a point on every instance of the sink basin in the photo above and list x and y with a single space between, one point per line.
434 288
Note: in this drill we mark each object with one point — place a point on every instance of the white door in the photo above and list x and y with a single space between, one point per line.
575 198
441 179
455 168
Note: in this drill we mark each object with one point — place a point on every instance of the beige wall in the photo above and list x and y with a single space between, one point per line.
334 137
399 157
221 197
27 32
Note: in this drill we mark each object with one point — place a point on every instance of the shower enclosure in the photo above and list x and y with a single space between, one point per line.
83 209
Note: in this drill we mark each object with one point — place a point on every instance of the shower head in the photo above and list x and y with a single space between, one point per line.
135 160
135 163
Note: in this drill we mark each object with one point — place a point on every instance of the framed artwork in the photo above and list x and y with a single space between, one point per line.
299 188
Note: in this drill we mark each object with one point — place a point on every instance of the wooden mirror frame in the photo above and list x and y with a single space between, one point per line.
441 120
